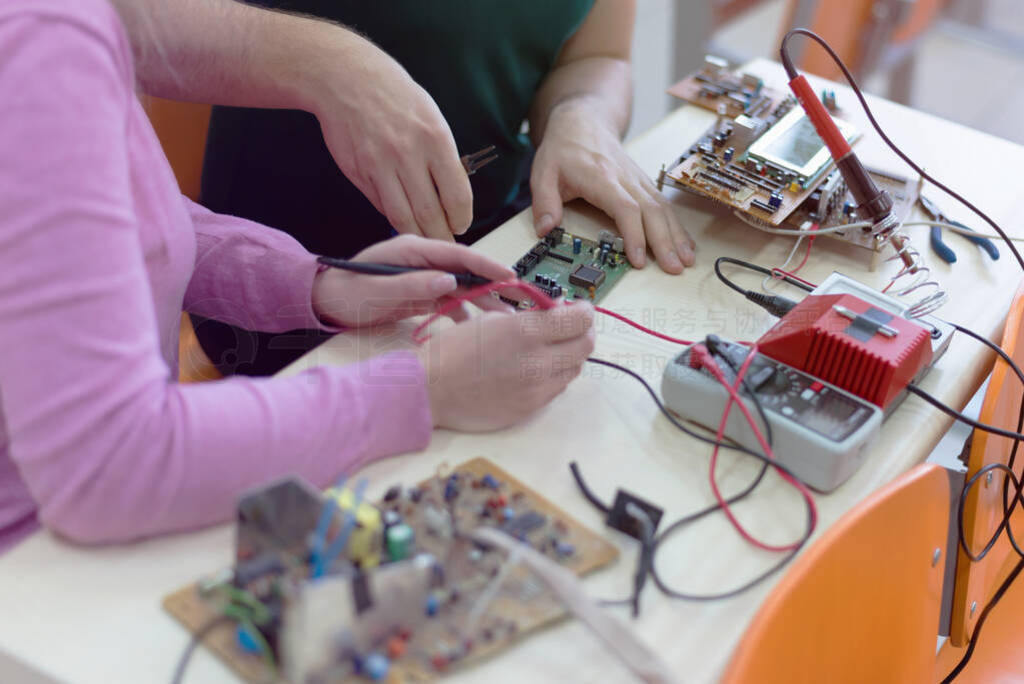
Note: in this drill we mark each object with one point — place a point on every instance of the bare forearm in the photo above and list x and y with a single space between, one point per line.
226 52
603 86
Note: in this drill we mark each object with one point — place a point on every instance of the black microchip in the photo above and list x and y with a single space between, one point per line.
586 276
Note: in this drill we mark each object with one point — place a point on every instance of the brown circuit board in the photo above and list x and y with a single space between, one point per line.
835 211
726 163
520 604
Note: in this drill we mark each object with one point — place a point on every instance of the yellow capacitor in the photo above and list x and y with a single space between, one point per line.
795 187
366 540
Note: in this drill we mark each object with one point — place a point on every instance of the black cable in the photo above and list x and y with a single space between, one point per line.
991 345
659 539
984 427
1007 510
776 305
715 345
759 269
643 561
464 279
791 71
587 493
981 621
1008 507
197 638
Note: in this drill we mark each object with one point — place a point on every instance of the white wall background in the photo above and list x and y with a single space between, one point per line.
668 43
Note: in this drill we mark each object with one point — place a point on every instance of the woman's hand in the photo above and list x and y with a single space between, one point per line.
497 369
580 156
351 300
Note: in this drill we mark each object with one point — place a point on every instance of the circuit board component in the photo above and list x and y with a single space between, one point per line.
762 156
566 265
404 600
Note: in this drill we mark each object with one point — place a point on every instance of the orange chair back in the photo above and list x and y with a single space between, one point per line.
843 24
181 127
862 604
983 509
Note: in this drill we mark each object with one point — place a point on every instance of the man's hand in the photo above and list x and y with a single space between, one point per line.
351 300
580 156
384 131
389 138
577 119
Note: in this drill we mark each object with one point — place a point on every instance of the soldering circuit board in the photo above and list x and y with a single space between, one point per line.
762 156
411 596
566 265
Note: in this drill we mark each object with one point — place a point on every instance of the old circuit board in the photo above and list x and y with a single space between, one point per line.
451 630
566 265
832 205
762 156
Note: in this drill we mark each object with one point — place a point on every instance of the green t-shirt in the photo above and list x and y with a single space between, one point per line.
481 60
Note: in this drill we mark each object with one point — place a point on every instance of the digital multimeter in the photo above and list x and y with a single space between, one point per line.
819 432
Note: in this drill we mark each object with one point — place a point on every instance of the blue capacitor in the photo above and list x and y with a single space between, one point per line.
577 245
432 605
488 480
375 666
247 641
508 513
727 155
564 549
775 200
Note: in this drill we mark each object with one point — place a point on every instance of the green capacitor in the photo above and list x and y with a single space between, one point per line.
399 541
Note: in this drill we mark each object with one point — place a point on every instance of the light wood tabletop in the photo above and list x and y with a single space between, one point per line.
93 615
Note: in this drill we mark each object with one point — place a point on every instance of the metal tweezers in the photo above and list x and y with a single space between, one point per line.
473 162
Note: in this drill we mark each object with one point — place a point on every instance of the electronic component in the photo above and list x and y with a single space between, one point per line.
587 276
618 517
364 542
276 518
793 149
551 267
398 541
846 341
819 431
771 157
421 610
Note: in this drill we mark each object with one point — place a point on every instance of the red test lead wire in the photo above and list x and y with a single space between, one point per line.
542 301
641 328
709 363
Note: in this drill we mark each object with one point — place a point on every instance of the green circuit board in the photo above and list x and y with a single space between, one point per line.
568 266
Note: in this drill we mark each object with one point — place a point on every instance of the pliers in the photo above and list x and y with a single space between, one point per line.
472 162
939 246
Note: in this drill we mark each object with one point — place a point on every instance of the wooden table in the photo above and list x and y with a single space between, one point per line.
93 615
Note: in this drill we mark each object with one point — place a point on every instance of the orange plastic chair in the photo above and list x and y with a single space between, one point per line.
863 603
983 510
181 128
864 37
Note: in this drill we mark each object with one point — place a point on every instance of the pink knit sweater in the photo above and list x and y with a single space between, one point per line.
99 254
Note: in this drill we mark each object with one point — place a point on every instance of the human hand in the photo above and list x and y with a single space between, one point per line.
351 299
497 369
389 138
579 157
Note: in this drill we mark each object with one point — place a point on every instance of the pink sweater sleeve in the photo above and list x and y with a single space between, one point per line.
110 447
249 275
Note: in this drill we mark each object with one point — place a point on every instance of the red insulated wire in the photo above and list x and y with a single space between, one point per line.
793 274
734 397
639 327
540 298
